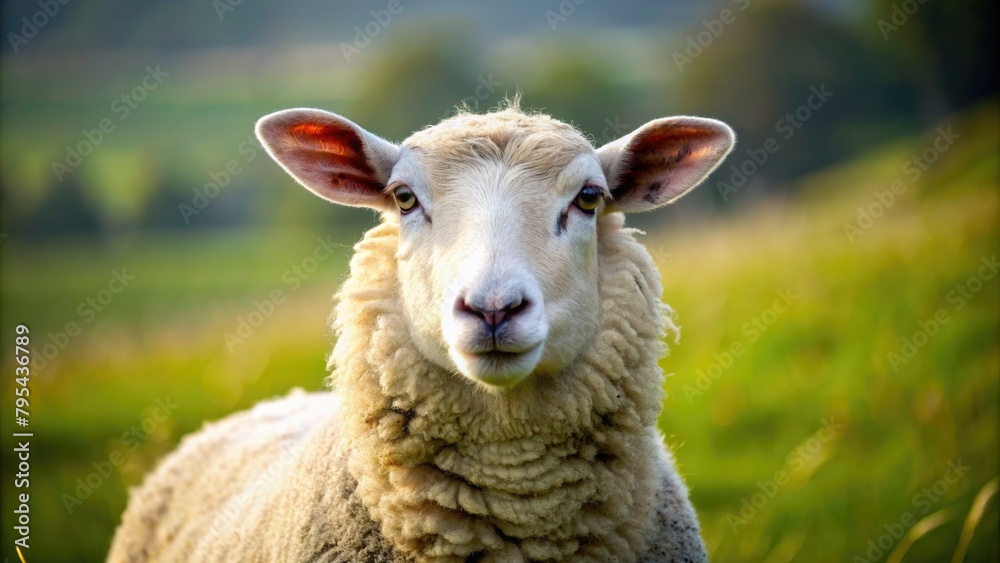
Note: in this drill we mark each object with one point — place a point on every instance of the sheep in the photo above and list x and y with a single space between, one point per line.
494 384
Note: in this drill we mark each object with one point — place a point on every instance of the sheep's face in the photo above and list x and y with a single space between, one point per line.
497 214
498 256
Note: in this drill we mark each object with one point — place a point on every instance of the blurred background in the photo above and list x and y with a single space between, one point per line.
835 393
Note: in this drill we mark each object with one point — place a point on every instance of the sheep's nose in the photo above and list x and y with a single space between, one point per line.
492 316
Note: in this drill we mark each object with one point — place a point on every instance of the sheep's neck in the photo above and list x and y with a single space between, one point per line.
553 469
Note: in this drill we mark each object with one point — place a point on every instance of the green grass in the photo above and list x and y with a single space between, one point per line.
824 358
827 358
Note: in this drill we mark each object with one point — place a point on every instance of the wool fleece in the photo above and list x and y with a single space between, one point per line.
404 462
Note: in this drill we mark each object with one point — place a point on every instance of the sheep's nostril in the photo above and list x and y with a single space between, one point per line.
493 318
516 307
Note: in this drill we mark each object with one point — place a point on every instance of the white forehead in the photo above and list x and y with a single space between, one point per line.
584 169
476 175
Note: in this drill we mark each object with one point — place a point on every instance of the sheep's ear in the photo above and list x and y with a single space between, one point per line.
330 155
663 160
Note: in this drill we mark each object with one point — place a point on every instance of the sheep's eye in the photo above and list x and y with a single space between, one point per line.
405 199
588 199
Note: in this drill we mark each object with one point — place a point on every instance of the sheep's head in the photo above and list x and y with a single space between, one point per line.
497 214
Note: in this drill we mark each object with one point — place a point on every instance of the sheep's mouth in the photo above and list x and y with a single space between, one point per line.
499 355
498 368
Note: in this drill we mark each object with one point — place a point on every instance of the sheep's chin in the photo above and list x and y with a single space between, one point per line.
497 370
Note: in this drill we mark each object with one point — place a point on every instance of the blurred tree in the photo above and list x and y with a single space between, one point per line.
945 45
62 212
766 64
575 84
415 79
120 184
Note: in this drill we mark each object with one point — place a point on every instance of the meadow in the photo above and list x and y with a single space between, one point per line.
834 395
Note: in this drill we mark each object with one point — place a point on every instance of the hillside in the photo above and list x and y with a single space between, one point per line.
822 387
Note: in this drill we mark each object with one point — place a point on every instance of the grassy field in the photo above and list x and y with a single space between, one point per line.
831 388
826 390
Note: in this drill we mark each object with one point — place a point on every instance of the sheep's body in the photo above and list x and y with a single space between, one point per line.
407 461
281 482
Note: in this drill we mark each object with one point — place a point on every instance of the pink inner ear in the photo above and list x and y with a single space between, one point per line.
665 162
325 138
336 147
331 158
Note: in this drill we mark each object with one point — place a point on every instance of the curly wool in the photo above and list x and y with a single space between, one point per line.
405 462
558 467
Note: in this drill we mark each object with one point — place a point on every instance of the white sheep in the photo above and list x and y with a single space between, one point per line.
495 386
